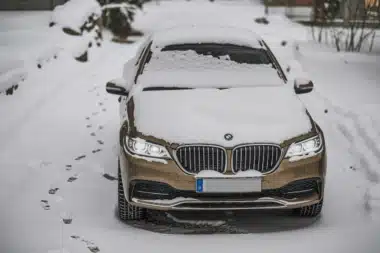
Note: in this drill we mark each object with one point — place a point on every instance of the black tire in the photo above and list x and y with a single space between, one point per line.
127 211
309 211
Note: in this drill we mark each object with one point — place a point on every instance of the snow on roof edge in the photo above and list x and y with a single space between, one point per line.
206 34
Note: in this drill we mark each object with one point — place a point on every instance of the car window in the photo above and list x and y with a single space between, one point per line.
239 54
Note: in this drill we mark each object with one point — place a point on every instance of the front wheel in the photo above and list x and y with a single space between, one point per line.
309 211
127 211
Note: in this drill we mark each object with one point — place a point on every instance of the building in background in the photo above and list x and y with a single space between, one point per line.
13 5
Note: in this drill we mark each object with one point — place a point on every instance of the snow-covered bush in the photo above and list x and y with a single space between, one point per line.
118 17
77 15
10 80
82 19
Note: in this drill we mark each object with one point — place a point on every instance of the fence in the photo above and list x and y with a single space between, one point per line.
12 5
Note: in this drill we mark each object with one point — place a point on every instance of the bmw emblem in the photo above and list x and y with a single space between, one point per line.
228 137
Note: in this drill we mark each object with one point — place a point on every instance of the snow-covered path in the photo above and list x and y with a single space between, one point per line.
59 144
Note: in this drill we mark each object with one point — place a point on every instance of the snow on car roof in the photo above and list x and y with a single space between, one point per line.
206 34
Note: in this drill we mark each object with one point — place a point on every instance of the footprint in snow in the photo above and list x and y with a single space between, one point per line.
89 125
109 177
100 142
53 191
66 217
90 245
72 178
93 89
100 103
87 118
104 109
44 164
68 167
93 248
45 204
93 134
80 157
67 221
96 150
95 113
101 127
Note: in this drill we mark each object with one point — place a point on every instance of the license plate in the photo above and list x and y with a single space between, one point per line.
228 185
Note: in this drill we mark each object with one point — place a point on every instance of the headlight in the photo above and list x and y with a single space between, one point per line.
305 147
141 147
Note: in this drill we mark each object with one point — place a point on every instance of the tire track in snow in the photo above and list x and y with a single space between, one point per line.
362 137
372 175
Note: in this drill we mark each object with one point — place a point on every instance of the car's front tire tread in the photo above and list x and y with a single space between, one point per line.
127 211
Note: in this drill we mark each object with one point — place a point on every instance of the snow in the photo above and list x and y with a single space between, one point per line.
75 13
197 222
28 43
12 77
118 6
191 70
44 130
207 34
206 115
215 174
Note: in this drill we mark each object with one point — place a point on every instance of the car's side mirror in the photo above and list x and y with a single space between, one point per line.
117 87
302 86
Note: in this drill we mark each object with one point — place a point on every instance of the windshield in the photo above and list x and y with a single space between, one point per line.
185 66
239 54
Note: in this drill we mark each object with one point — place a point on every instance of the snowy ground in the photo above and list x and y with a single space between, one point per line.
58 151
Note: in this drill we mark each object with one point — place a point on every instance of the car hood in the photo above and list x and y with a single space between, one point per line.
250 115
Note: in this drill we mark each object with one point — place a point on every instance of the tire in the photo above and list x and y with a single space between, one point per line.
309 211
127 211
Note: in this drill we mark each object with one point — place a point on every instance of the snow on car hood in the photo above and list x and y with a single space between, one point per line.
258 114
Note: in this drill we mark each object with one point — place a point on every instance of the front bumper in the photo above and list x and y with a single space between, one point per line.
227 204
175 190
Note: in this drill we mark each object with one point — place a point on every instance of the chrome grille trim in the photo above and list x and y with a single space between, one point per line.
199 161
267 156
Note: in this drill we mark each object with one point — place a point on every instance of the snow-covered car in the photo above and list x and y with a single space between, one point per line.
209 121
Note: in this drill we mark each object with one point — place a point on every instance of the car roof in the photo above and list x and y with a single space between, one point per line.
197 34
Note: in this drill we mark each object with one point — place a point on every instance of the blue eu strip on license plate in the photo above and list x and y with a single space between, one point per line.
199 185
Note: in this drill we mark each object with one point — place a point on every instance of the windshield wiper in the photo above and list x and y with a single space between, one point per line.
156 88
